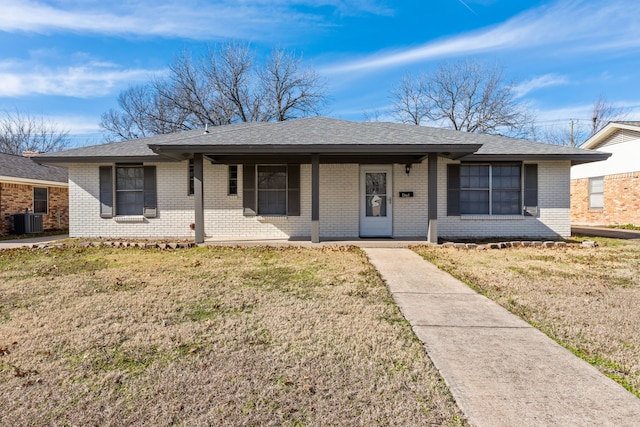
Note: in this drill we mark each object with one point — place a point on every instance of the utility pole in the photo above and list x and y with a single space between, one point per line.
571 141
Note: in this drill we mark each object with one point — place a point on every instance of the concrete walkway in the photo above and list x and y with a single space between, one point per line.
28 242
501 371
614 233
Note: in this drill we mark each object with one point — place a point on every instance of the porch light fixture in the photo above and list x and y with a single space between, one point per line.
407 168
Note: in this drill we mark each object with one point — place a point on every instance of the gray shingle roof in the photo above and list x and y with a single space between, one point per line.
491 144
313 133
135 148
23 167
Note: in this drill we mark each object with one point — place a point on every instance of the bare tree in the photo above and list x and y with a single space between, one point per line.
577 131
21 132
410 99
224 86
464 96
604 112
372 116
143 112
289 90
231 73
556 135
178 102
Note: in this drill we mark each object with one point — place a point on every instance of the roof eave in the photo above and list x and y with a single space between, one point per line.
576 159
605 132
32 181
58 160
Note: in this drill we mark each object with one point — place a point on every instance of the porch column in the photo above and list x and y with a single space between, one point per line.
432 231
315 198
199 198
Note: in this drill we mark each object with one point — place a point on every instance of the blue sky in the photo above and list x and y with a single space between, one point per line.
69 59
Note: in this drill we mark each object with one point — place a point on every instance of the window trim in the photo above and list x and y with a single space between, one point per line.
530 189
232 181
190 178
46 201
106 184
592 193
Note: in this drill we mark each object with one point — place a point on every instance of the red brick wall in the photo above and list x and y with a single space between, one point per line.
15 198
58 217
621 201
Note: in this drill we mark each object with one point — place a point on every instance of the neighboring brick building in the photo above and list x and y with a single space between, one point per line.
44 190
320 178
608 192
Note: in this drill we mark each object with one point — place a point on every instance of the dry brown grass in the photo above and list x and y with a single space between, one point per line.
587 299
208 336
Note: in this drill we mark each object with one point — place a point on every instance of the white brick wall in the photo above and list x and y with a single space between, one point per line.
224 217
339 206
339 200
553 203
175 208
223 214
410 215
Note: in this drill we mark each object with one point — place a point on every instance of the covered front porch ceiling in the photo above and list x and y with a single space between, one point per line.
361 154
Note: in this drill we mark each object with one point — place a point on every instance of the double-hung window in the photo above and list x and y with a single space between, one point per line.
506 192
596 193
490 190
271 189
129 190
474 189
40 200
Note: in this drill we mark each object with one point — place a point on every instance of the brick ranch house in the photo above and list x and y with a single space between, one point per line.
42 189
320 179
608 192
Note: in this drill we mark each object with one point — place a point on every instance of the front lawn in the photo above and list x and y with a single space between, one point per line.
208 336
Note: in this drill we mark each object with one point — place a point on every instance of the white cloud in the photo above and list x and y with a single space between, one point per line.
83 80
567 25
540 82
75 123
343 7
581 113
194 19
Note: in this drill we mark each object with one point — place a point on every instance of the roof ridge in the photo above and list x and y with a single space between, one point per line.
217 129
12 154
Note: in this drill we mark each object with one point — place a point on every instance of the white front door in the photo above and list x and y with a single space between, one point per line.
375 201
